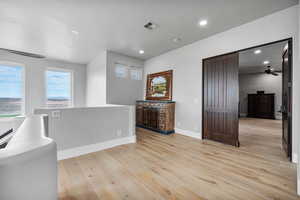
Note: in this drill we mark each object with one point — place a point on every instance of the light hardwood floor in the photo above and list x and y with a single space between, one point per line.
262 137
179 167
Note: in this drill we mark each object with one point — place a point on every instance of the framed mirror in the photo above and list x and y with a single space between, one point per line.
159 86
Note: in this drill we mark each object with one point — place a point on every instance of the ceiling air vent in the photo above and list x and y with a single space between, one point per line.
32 55
150 26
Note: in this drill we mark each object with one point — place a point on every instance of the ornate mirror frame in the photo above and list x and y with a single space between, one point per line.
168 75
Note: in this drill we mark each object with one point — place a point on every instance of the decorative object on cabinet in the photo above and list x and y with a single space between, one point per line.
157 116
261 105
159 86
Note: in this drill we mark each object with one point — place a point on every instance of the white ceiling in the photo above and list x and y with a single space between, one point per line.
254 63
45 26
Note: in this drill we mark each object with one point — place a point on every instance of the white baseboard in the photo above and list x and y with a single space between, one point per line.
188 133
294 158
78 151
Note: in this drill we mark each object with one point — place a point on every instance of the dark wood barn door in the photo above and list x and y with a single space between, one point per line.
220 99
287 100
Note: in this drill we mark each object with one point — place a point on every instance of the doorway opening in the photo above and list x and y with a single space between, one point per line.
247 99
261 107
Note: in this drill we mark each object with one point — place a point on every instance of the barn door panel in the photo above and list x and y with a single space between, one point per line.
220 99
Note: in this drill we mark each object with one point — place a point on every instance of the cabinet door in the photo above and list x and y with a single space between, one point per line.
146 117
139 115
266 106
154 118
251 105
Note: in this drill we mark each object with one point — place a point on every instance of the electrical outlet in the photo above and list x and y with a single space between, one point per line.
119 132
178 124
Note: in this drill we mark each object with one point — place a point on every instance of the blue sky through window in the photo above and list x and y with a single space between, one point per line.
58 85
11 81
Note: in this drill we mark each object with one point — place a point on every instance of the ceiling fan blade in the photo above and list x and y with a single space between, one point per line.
275 74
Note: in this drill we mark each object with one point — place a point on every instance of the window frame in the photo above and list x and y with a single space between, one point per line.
57 69
23 81
127 67
140 71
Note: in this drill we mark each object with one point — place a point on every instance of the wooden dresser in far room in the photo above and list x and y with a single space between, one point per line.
158 116
261 106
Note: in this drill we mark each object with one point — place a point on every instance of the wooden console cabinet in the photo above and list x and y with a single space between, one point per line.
158 116
261 106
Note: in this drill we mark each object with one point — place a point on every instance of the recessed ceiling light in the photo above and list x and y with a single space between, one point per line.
141 51
286 47
258 51
203 22
75 32
266 62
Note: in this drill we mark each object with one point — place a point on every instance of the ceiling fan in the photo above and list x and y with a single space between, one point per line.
271 71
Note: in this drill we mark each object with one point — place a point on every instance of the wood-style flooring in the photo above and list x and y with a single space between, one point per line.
179 167
262 137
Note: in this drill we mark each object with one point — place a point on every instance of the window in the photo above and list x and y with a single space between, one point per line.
129 72
11 90
121 71
136 73
59 89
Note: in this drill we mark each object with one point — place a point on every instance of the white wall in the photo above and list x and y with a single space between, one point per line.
298 166
187 64
251 83
35 79
104 87
122 90
96 80
83 130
